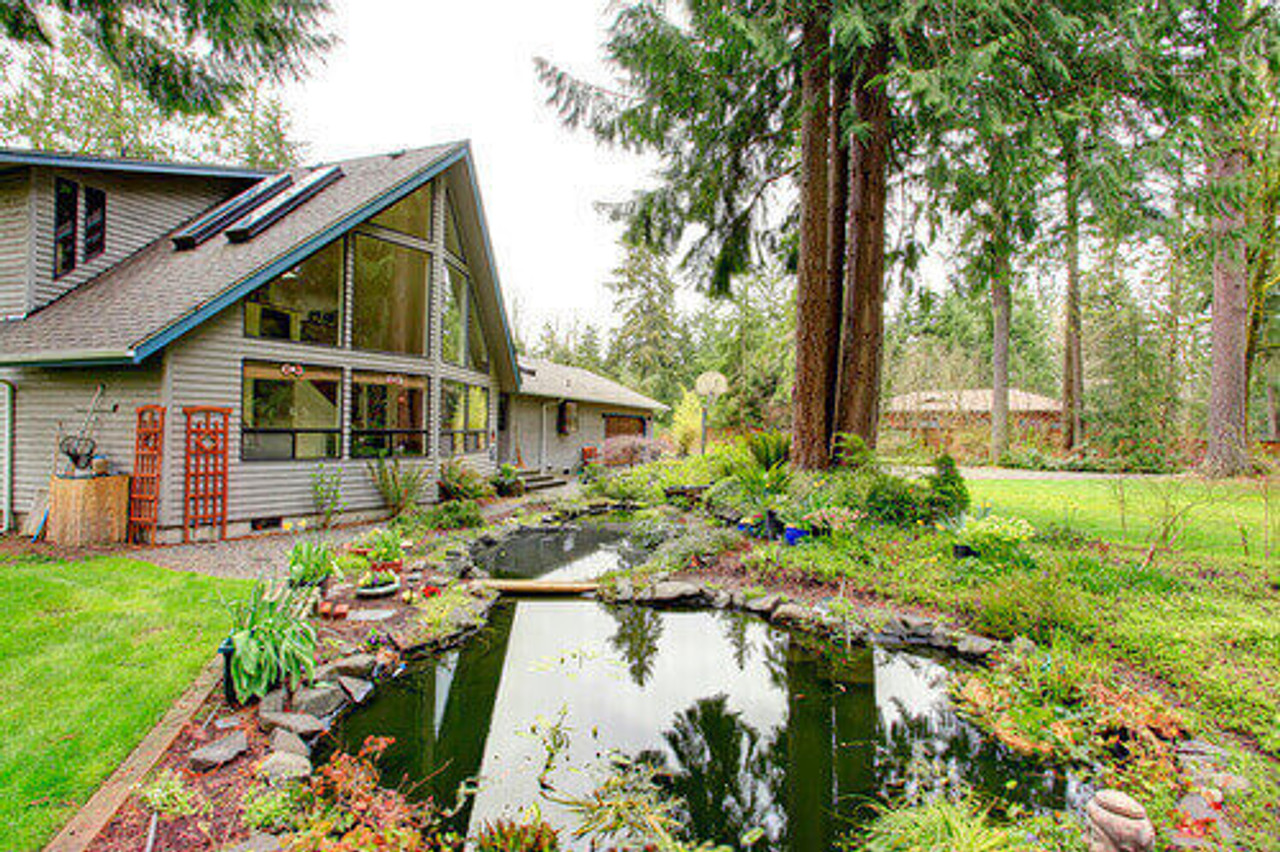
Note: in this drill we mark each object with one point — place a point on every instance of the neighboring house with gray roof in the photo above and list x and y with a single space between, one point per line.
330 314
562 410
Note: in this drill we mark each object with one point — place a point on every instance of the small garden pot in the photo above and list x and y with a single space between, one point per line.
794 535
963 551
378 591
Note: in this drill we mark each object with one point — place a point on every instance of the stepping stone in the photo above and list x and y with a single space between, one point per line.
319 700
219 752
282 740
272 702
355 688
353 665
283 766
302 724
370 615
259 842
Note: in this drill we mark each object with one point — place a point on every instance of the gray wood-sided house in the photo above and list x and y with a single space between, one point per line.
324 316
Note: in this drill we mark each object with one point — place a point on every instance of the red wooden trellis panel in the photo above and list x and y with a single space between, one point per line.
204 493
144 487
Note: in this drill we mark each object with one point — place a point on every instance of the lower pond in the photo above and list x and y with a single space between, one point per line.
753 726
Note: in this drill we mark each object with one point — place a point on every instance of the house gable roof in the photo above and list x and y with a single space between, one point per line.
58 159
559 381
146 302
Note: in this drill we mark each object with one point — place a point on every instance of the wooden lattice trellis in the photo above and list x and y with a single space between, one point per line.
205 481
144 487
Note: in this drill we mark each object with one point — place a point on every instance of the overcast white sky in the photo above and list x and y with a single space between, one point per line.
410 73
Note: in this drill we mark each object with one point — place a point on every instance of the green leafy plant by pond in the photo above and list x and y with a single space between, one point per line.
273 641
941 824
449 515
998 539
506 481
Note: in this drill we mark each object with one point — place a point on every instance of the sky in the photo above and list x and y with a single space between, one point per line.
407 74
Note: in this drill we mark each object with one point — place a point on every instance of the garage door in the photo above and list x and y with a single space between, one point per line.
617 425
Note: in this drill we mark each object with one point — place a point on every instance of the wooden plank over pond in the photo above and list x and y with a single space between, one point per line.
537 587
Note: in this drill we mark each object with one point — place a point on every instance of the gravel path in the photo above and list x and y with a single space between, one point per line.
267 554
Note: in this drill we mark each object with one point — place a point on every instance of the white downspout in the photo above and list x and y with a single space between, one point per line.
542 451
7 391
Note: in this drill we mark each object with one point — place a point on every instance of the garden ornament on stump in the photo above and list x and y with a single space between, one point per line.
1117 823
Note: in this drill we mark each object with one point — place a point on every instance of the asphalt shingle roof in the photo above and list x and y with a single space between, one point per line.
539 377
141 297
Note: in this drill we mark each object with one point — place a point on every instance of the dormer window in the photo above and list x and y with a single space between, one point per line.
65 212
95 222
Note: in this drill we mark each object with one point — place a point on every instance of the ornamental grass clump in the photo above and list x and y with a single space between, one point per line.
940 824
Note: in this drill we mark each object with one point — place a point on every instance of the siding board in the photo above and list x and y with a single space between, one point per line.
15 206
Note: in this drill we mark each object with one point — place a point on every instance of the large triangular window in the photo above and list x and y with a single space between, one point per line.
452 238
410 215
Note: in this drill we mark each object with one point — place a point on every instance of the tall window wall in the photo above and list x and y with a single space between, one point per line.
382 274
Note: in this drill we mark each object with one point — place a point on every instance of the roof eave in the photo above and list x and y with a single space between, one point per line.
72 358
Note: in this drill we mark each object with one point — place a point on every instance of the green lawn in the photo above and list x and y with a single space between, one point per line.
92 654
1218 519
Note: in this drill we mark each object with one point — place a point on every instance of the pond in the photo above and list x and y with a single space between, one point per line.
753 726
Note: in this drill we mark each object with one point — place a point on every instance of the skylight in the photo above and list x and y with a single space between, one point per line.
211 223
264 217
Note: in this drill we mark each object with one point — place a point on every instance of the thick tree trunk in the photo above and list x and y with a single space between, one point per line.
862 337
809 448
1001 311
837 229
1072 359
1228 453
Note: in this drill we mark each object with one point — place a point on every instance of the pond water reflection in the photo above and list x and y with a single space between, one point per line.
755 726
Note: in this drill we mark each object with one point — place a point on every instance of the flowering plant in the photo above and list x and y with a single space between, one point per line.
836 519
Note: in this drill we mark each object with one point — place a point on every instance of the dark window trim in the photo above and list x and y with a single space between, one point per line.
91 253
293 446
73 232
424 430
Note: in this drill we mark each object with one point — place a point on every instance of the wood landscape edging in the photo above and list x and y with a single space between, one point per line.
82 828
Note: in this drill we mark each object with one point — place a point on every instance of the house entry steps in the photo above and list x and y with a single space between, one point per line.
536 480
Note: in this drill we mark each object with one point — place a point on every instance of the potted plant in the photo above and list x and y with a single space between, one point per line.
378 584
271 642
311 564
386 552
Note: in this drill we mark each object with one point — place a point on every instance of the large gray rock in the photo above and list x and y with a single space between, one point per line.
282 740
1117 823
791 614
281 766
354 665
219 751
302 724
720 599
671 591
319 700
623 591
915 626
357 689
272 702
764 605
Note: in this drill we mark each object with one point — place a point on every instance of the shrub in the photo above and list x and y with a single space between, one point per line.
169 795
310 563
450 515
628 450
459 482
399 487
350 565
506 481
326 492
999 539
893 500
769 449
272 639
506 835
271 809
948 496
637 485
686 423
695 548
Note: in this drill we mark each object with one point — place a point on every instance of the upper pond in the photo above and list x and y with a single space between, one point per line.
753 725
